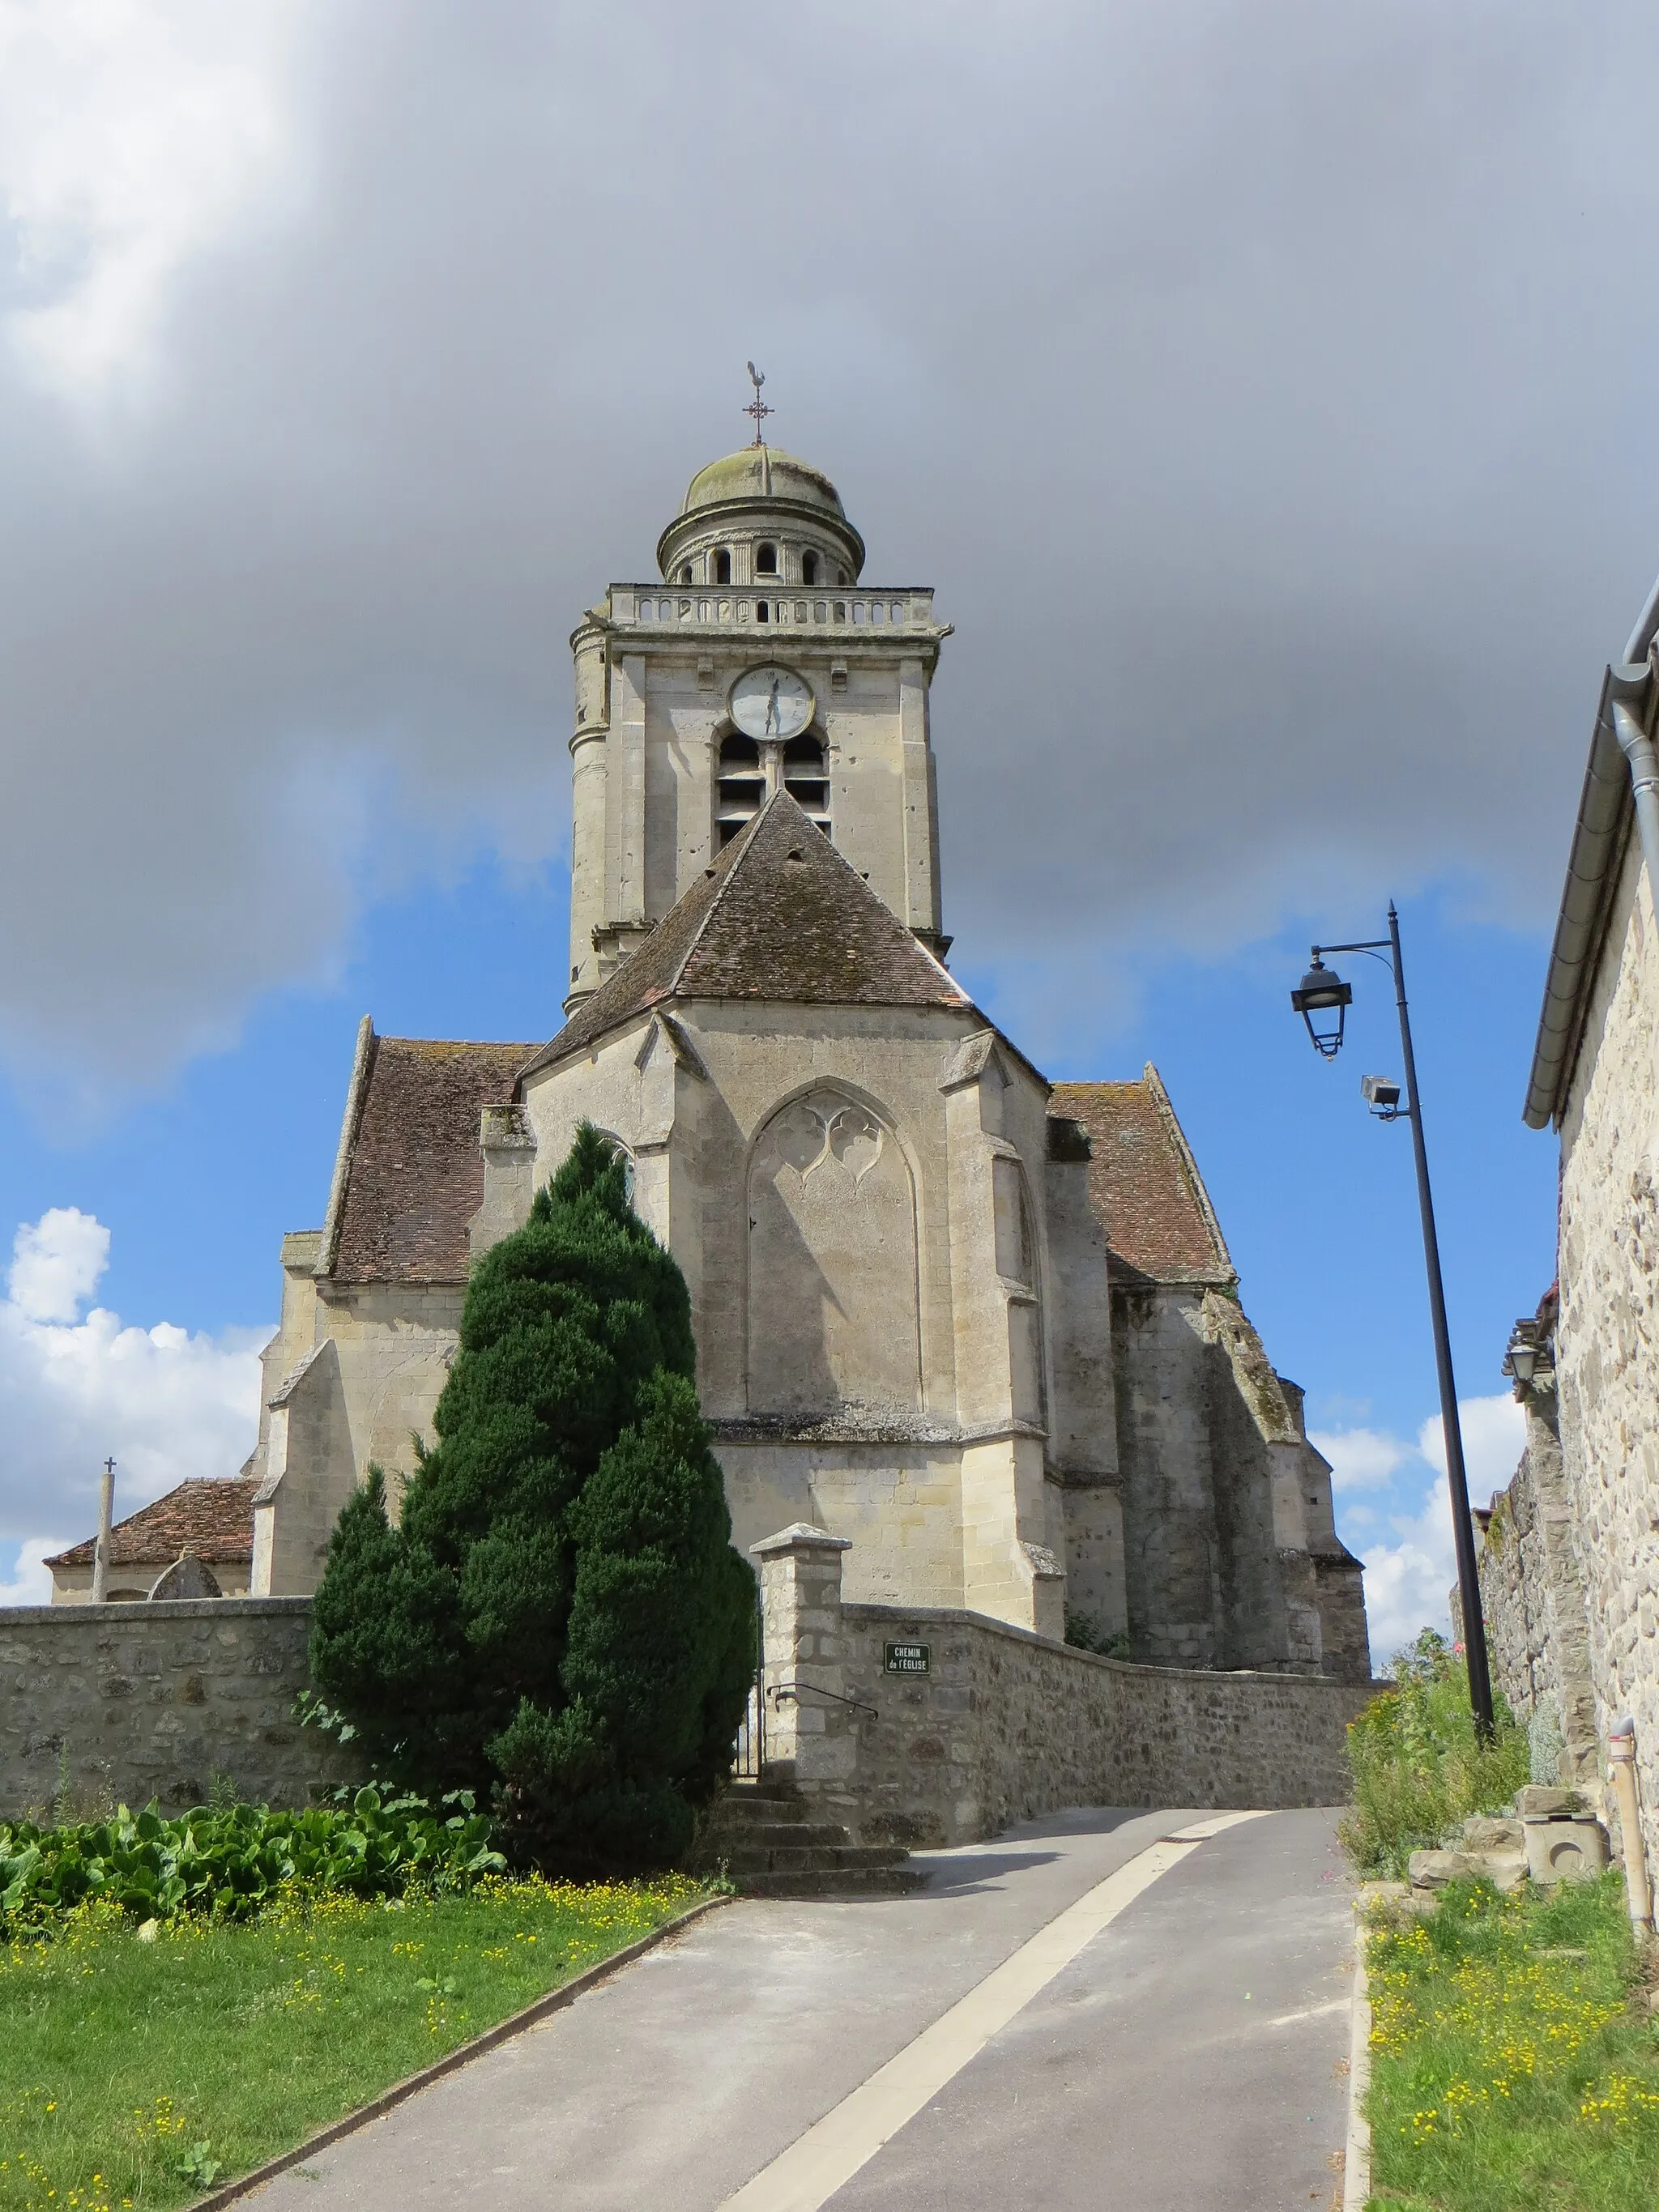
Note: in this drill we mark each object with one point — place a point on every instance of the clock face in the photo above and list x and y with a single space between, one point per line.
771 702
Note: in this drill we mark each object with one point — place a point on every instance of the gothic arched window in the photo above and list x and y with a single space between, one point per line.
834 1314
739 785
766 560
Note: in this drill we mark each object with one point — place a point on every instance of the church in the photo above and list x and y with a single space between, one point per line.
983 1327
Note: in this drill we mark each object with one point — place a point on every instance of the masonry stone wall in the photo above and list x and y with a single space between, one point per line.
1006 1724
1009 1725
153 1700
1532 1597
1608 1334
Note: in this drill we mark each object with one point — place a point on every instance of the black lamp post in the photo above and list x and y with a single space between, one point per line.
1324 994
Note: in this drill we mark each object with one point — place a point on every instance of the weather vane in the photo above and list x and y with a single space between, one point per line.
758 407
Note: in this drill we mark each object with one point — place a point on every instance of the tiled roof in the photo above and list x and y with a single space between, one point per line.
414 1174
214 1520
1144 1184
782 917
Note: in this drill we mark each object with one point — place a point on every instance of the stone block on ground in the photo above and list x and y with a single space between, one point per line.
1485 1832
1572 1850
1432 1870
1537 1801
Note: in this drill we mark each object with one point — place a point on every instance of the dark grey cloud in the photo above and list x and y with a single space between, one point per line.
1265 387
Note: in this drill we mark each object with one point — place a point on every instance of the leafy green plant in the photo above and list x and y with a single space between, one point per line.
1419 1769
1085 1632
232 1864
558 1614
199 2165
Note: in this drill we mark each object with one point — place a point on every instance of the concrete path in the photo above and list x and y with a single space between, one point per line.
1188 2056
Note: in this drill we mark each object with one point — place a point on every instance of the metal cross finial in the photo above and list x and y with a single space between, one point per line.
758 407
109 1466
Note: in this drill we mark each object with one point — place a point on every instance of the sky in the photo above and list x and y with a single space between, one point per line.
1263 388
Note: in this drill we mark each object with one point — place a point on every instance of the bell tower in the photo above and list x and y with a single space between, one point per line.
757 659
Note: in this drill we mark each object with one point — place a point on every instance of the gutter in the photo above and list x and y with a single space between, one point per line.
1621 780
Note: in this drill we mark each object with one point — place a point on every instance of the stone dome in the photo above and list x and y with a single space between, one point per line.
762 472
757 504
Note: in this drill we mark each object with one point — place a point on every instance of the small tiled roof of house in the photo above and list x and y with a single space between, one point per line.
1144 1184
214 1520
782 916
411 1174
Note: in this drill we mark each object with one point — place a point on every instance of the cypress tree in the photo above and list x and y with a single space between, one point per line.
558 1612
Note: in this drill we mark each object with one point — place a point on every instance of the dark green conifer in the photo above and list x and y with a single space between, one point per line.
559 1610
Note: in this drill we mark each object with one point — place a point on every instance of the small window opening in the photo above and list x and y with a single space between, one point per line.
723 565
766 560
686 573
808 567
762 612
739 786
840 580
806 777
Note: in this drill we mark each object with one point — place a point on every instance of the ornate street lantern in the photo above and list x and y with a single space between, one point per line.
1322 992
1521 1360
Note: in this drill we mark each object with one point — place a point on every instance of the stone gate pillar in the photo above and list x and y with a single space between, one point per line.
808 1728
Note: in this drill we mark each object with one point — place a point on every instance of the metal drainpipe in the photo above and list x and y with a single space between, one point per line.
1621 1770
1642 760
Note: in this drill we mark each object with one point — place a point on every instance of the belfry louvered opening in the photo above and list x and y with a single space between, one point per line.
739 787
806 777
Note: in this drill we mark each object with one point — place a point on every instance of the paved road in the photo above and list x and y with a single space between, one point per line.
1188 2056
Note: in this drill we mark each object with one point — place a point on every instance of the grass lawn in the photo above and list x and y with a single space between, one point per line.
1515 2060
136 2072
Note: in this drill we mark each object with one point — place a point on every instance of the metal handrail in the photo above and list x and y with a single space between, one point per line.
780 1691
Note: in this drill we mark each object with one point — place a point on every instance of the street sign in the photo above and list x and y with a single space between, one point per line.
908 1659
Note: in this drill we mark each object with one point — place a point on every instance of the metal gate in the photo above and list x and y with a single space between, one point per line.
749 1751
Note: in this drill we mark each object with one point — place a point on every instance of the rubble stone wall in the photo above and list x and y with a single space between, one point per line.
1532 1594
1008 1725
132 1702
1607 1335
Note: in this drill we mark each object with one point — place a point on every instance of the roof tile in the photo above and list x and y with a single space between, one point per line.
214 1520
1143 1184
781 917
415 1177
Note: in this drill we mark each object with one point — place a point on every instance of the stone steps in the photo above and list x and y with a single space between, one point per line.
861 1881
764 1835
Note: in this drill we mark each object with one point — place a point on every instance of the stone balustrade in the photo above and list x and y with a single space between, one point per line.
781 606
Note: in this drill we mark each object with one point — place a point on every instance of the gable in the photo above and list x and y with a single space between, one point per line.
781 917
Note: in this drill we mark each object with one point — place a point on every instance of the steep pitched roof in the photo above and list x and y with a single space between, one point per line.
411 1174
781 917
214 1520
1144 1184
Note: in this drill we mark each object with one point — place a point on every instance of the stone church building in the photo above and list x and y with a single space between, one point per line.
983 1327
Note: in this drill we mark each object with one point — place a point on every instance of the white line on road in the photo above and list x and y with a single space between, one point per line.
1313 2012
806 2176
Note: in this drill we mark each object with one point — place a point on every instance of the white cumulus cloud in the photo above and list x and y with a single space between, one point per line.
134 134
56 1262
1403 1531
78 1387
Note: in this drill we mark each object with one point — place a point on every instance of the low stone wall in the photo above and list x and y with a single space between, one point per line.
152 1700
1006 1725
